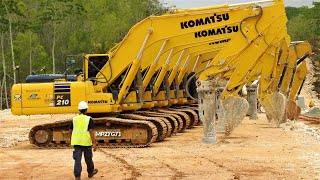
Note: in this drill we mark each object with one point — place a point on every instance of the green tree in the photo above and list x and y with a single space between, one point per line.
12 9
53 13
304 24
39 55
301 29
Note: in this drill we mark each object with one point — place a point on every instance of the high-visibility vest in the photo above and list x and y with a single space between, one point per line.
80 134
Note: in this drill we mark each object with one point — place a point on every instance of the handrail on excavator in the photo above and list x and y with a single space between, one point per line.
253 2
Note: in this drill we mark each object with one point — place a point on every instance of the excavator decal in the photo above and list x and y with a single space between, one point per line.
205 21
62 95
98 102
17 97
108 134
218 31
220 42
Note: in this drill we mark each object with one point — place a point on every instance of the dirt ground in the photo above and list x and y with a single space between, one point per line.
255 150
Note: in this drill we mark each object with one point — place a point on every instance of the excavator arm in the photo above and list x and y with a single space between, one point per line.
259 41
298 52
196 36
275 102
298 81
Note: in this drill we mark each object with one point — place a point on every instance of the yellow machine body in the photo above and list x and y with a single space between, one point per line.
59 97
297 51
299 77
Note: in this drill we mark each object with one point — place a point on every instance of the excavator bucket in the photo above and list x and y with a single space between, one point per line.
298 113
275 106
293 110
231 112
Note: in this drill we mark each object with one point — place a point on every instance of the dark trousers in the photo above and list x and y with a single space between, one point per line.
77 155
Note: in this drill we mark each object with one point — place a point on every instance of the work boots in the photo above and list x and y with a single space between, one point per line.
95 171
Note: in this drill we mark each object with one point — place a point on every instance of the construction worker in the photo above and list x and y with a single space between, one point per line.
83 139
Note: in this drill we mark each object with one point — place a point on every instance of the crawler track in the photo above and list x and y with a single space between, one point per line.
181 124
196 110
194 118
184 116
135 133
138 129
171 119
310 118
160 124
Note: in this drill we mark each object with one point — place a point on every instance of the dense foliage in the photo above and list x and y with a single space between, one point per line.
44 31
304 24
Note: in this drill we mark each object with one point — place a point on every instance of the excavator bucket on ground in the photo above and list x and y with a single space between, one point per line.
297 84
275 105
293 111
290 80
231 112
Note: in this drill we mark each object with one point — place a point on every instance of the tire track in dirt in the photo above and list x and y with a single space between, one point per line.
21 166
215 163
176 173
134 171
237 174
220 165
16 159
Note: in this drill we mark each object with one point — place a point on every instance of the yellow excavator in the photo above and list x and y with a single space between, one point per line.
260 36
293 110
268 67
288 80
193 53
145 70
272 78
292 85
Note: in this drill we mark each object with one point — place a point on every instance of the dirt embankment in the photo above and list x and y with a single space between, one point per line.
307 90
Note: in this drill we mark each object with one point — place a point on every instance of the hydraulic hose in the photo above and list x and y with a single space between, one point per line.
193 76
250 17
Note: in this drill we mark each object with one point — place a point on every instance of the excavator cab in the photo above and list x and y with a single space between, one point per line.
93 63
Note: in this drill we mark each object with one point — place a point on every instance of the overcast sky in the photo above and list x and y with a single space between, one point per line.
200 3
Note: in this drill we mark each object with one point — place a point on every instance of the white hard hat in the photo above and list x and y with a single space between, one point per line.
82 105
